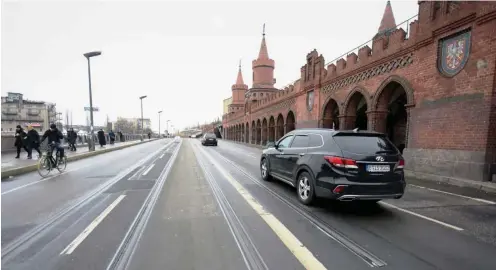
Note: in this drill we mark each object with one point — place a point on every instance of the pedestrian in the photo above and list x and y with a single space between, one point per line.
112 137
20 140
149 135
71 138
33 142
101 138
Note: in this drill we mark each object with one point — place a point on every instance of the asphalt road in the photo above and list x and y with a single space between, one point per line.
179 205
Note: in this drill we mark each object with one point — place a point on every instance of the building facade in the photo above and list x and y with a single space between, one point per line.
226 104
18 111
430 88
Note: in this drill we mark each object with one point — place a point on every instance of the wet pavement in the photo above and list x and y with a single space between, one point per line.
174 204
10 162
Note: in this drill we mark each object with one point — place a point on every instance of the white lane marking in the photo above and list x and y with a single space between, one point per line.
80 238
43 180
422 216
149 169
304 256
162 155
454 194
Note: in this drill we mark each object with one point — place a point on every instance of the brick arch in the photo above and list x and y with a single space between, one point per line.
258 133
253 131
264 130
326 117
349 118
279 126
290 121
272 128
329 99
247 132
405 84
357 89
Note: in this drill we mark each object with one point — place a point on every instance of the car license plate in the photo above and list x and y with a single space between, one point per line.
378 168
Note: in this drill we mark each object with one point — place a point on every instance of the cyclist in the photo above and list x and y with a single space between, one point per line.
54 136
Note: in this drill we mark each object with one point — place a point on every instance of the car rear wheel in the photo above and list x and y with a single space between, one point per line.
305 188
264 170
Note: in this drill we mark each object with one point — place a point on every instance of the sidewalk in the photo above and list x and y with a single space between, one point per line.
12 166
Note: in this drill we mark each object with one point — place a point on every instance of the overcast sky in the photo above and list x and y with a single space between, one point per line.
183 55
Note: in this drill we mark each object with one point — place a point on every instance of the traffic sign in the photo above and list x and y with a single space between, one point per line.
95 109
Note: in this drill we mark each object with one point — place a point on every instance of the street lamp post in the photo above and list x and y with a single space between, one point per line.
167 127
142 129
159 123
91 142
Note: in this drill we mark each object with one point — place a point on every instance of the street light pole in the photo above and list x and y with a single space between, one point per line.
167 127
142 130
91 142
159 123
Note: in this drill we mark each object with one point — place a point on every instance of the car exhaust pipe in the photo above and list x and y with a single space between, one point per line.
347 199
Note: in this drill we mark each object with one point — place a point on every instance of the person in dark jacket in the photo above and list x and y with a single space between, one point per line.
149 135
20 140
101 138
33 142
71 138
112 137
54 136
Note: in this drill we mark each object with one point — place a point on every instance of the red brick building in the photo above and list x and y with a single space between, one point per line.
430 88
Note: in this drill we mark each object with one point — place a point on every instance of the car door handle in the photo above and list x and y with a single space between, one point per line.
302 154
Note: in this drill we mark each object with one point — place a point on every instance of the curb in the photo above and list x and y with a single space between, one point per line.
488 187
31 168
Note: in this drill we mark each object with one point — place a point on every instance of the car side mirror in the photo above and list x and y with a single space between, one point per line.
270 145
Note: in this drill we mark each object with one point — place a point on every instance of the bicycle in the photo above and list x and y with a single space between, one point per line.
47 162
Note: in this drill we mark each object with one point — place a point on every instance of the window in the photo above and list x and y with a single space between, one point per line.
300 141
210 136
365 144
315 140
284 143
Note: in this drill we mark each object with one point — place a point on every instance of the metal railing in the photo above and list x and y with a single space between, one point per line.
369 42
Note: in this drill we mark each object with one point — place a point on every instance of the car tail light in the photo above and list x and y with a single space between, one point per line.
401 164
339 189
342 162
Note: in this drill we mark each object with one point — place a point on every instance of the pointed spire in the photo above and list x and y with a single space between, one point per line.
263 54
239 80
387 23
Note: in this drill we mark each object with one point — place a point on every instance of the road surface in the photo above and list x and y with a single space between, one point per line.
178 205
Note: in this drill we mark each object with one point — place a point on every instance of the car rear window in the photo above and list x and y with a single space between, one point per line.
365 144
210 135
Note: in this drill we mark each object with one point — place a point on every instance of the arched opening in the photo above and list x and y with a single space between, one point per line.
264 131
356 112
272 129
330 118
259 132
247 133
253 132
393 99
290 122
279 127
242 133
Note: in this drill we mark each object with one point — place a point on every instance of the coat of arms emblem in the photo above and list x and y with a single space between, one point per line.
310 100
453 53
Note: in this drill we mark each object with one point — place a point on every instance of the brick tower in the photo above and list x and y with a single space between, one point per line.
238 92
388 23
263 74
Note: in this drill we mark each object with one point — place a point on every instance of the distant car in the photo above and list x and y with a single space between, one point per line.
340 165
209 139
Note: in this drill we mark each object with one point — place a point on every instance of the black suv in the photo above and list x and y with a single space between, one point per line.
209 139
341 165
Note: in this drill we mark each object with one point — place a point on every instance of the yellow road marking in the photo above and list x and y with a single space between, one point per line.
302 254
